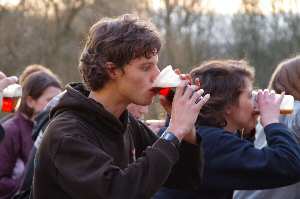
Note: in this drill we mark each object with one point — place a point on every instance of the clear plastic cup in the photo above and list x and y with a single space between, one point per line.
11 97
166 82
286 106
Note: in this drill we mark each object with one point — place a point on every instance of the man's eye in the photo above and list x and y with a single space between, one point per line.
145 68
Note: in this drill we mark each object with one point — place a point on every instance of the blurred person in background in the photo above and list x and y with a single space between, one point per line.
4 82
232 162
41 122
38 88
286 78
32 69
138 111
157 126
27 71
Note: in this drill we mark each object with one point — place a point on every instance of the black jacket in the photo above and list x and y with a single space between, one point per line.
88 153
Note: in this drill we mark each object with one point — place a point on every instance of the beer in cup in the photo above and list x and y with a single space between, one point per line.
166 82
11 97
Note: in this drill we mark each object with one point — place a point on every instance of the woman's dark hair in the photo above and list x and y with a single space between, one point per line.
118 41
286 78
34 85
224 80
32 69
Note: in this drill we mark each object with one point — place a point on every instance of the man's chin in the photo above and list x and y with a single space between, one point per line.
145 102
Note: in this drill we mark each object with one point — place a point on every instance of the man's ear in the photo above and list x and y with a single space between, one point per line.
112 70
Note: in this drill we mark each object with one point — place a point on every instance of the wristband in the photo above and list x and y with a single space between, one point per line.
170 137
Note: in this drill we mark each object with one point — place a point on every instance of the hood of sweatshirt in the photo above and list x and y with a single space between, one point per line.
77 101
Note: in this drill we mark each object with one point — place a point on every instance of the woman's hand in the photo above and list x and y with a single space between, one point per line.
269 105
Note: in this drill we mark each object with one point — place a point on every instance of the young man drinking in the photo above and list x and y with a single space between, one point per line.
93 148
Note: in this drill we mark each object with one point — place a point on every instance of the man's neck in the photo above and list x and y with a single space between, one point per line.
110 99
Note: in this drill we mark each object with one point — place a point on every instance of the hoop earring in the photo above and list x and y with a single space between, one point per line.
242 133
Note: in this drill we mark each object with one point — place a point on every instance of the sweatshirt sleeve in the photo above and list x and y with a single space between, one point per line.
187 172
233 163
83 166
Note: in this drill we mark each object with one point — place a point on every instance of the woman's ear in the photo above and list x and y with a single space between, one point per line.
228 110
30 102
112 70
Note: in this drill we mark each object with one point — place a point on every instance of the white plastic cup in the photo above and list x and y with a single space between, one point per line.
166 82
286 106
10 98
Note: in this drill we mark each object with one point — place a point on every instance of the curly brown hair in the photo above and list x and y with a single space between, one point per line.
118 41
224 80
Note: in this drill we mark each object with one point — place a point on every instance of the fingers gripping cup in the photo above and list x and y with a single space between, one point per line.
286 106
10 98
166 82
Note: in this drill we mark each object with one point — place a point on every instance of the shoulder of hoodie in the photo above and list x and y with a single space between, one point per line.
65 130
66 125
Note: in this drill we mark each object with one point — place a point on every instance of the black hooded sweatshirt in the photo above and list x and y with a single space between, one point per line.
89 153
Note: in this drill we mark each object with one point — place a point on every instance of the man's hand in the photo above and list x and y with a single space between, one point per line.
186 106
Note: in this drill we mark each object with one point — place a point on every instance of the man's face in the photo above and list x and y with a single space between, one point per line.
135 83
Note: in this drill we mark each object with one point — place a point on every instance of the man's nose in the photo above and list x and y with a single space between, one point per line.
155 73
